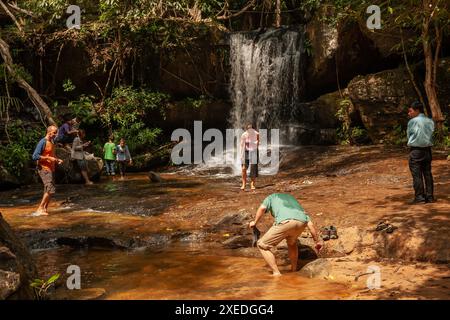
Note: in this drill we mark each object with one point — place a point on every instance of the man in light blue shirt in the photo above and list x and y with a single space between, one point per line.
420 134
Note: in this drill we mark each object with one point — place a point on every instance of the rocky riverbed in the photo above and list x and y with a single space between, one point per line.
186 235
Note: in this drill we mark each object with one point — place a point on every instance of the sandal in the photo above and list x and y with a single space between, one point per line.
333 233
256 234
325 234
382 225
390 228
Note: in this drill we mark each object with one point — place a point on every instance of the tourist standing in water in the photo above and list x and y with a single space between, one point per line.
109 150
290 221
249 155
78 155
123 157
46 159
420 134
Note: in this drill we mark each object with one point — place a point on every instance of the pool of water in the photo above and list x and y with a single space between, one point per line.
182 272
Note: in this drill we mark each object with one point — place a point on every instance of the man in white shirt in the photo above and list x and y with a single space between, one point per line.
249 155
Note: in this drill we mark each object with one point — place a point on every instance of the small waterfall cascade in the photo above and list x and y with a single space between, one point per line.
266 78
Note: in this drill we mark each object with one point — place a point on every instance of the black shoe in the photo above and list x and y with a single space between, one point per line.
430 200
417 201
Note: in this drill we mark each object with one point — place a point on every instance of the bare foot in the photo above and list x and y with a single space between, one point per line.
89 183
276 274
40 212
243 187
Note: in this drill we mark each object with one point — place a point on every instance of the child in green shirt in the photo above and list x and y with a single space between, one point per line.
109 150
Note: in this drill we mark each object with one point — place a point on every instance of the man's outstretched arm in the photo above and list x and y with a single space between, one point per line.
314 234
259 214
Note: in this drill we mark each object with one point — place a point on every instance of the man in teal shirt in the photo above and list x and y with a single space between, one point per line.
420 134
290 221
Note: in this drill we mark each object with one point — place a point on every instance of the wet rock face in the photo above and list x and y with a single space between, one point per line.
317 121
69 172
382 100
339 53
17 267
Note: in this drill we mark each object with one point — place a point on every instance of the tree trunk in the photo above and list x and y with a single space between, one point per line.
431 65
32 94
278 14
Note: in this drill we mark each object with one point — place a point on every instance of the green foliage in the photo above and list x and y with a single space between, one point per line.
196 103
68 86
19 69
308 48
442 139
343 133
16 154
14 158
128 110
41 287
138 137
83 109
399 136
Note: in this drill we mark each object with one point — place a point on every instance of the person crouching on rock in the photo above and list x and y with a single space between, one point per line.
44 154
78 155
290 221
123 157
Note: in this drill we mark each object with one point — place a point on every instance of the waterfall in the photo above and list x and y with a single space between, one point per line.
265 76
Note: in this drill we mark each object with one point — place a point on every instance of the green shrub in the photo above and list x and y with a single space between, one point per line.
16 155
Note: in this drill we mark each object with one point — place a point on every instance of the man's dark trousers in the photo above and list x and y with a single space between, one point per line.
420 166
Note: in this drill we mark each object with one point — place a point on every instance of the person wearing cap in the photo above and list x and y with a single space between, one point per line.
290 221
420 135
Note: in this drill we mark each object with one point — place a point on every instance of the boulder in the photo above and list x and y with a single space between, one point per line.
7 180
17 267
233 222
154 177
9 283
382 100
69 172
339 53
239 241
316 122
319 268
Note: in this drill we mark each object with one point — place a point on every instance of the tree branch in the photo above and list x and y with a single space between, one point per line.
13 18
32 94
251 3
14 6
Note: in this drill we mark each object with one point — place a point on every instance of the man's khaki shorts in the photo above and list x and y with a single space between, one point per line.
48 181
288 229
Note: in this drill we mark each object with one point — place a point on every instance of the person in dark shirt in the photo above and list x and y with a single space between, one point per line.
66 133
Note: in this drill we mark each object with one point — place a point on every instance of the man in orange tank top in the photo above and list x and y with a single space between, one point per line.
46 159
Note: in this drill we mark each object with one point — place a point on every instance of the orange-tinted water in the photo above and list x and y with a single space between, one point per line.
183 273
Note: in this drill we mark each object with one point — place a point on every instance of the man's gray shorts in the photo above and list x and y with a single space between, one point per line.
48 180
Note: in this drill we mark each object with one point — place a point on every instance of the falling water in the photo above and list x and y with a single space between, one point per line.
265 76
266 85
